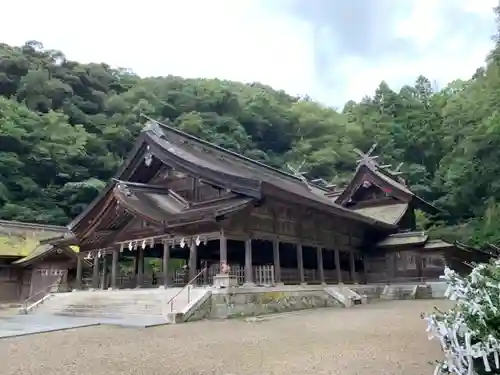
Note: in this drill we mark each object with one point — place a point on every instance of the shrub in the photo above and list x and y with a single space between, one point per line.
469 333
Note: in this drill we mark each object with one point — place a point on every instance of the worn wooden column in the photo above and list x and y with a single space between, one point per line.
193 259
300 263
165 260
365 269
114 268
337 266
248 262
277 262
391 266
222 248
352 263
140 267
418 265
104 272
321 270
79 273
95 271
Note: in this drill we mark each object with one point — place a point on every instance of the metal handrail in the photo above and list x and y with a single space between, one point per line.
399 280
171 301
25 306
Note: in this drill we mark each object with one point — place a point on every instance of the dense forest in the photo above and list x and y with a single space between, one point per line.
65 127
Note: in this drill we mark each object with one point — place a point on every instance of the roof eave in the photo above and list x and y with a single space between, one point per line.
119 175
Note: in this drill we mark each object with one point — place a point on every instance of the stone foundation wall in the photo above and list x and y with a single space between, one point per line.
241 302
238 303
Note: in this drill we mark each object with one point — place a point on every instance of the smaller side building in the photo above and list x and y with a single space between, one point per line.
33 259
379 192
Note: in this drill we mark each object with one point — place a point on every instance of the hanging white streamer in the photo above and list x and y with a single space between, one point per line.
461 344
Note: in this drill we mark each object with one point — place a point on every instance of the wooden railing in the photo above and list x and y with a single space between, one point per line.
38 298
188 287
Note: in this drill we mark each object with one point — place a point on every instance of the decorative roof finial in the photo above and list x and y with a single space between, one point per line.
367 158
297 171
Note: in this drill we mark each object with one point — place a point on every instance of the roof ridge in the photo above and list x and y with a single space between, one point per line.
225 150
25 225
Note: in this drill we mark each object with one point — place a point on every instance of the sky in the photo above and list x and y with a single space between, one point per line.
332 51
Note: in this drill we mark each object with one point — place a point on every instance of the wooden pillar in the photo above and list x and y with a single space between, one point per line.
222 248
321 271
391 266
365 269
352 263
95 271
337 266
79 273
193 260
277 264
114 268
248 262
165 259
300 263
140 267
136 265
418 265
104 276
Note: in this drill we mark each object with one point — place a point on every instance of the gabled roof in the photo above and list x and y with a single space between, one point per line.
404 239
163 206
391 213
19 239
382 178
217 166
44 250
61 245
10 226
417 240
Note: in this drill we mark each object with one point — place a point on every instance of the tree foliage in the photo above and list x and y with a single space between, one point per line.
65 127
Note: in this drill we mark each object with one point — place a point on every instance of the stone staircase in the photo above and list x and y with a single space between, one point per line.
139 307
438 289
345 295
371 291
398 291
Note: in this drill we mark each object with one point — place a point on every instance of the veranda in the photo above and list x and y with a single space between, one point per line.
255 262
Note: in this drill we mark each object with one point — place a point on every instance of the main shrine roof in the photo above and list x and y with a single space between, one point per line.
247 179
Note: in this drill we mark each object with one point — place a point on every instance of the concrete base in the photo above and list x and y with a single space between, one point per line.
225 281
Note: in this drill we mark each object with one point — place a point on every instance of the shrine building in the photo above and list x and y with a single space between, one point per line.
178 197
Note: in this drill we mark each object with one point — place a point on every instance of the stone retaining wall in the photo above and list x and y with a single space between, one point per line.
231 303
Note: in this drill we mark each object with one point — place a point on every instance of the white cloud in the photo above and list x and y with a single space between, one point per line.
455 58
237 40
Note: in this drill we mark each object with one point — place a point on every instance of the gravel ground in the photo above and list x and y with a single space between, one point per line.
382 338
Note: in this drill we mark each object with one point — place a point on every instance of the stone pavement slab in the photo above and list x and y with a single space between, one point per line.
19 325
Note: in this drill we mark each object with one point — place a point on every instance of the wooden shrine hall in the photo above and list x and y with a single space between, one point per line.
179 197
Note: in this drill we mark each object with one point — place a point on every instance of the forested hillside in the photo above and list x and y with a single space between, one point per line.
65 127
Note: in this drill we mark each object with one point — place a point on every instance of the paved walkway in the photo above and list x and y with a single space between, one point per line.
379 339
19 325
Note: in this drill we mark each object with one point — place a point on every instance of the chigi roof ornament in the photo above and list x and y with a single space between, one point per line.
367 158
